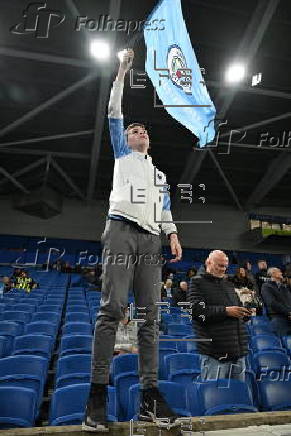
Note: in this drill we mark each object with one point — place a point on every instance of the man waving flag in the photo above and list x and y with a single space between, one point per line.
174 71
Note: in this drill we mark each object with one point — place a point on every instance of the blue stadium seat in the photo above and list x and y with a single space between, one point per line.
68 405
193 403
17 407
261 330
266 342
123 364
17 316
49 308
40 345
179 330
225 397
271 361
77 317
10 328
83 309
166 342
81 328
76 301
286 341
41 328
25 307
162 367
53 317
275 395
122 385
24 371
174 393
182 367
5 346
73 369
76 344
187 344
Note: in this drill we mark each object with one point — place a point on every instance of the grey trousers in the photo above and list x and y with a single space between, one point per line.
131 260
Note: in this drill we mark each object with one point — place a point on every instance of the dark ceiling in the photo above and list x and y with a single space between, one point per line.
52 102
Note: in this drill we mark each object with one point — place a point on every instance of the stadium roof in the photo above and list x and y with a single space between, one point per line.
53 100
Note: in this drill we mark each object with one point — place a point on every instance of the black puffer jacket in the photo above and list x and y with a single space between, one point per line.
210 296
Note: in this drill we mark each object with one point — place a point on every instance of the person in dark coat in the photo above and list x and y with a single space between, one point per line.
180 294
261 276
277 298
218 319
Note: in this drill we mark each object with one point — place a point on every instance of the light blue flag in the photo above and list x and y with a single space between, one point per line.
181 91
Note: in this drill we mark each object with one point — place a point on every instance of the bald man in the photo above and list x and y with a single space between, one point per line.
218 315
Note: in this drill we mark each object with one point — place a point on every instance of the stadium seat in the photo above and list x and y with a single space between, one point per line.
79 309
275 395
5 346
261 330
25 307
162 367
123 364
166 342
17 407
174 393
286 341
53 317
81 328
41 328
24 371
225 397
265 342
271 361
77 317
182 367
76 344
40 345
10 328
73 369
16 316
179 330
49 308
68 405
122 385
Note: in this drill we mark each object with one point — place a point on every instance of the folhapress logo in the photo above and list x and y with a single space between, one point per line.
38 20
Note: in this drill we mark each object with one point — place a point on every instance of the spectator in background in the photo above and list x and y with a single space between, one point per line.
166 291
243 287
277 298
23 281
218 314
126 336
248 267
261 275
241 280
180 294
191 273
5 286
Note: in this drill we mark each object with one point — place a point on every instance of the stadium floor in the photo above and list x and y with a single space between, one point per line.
247 424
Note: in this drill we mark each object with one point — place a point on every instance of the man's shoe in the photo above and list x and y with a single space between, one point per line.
95 415
154 407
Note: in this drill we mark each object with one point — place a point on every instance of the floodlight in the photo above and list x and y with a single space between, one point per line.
100 49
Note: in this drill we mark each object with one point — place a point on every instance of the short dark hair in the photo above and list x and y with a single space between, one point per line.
131 126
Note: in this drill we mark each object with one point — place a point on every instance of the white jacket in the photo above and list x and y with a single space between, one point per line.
139 190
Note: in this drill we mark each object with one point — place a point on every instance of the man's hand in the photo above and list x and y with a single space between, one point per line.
175 248
237 311
126 59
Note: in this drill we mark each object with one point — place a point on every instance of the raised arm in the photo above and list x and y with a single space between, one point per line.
115 116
